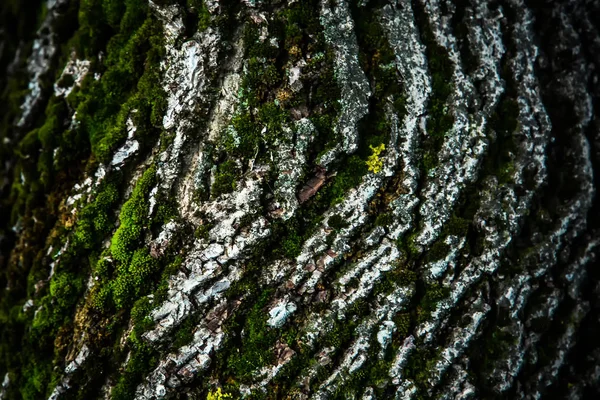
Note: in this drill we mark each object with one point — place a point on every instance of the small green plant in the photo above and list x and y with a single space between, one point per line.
374 163
348 177
384 219
456 226
257 343
408 245
202 231
292 245
132 218
224 178
438 251
218 395
199 10
402 322
433 295
337 222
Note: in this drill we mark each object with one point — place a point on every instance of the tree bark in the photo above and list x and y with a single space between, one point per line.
307 199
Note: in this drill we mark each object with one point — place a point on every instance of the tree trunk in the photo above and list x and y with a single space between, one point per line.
309 199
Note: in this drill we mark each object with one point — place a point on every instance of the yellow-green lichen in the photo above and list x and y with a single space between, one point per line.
374 163
218 395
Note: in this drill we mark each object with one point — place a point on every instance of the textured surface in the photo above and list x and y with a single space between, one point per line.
311 199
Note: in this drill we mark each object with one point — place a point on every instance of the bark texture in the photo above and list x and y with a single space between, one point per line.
357 199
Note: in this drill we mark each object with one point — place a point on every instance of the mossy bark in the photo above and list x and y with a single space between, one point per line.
272 199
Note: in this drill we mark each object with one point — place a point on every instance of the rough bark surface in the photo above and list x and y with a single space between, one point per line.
358 199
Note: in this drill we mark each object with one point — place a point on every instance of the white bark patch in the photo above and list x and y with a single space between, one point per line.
77 70
355 92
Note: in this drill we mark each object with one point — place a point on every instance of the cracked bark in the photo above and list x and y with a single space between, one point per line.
186 204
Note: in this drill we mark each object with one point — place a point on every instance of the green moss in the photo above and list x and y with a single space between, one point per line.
141 357
403 322
35 385
301 21
379 373
52 165
337 334
376 55
139 314
403 276
399 276
336 221
64 289
55 158
429 161
438 251
408 246
495 346
439 120
134 266
133 280
265 98
291 246
273 118
184 333
202 232
256 344
95 219
377 59
132 218
225 177
113 11
260 108
255 129
384 219
348 177
456 226
433 295
200 13
171 268
340 334
420 364
130 82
